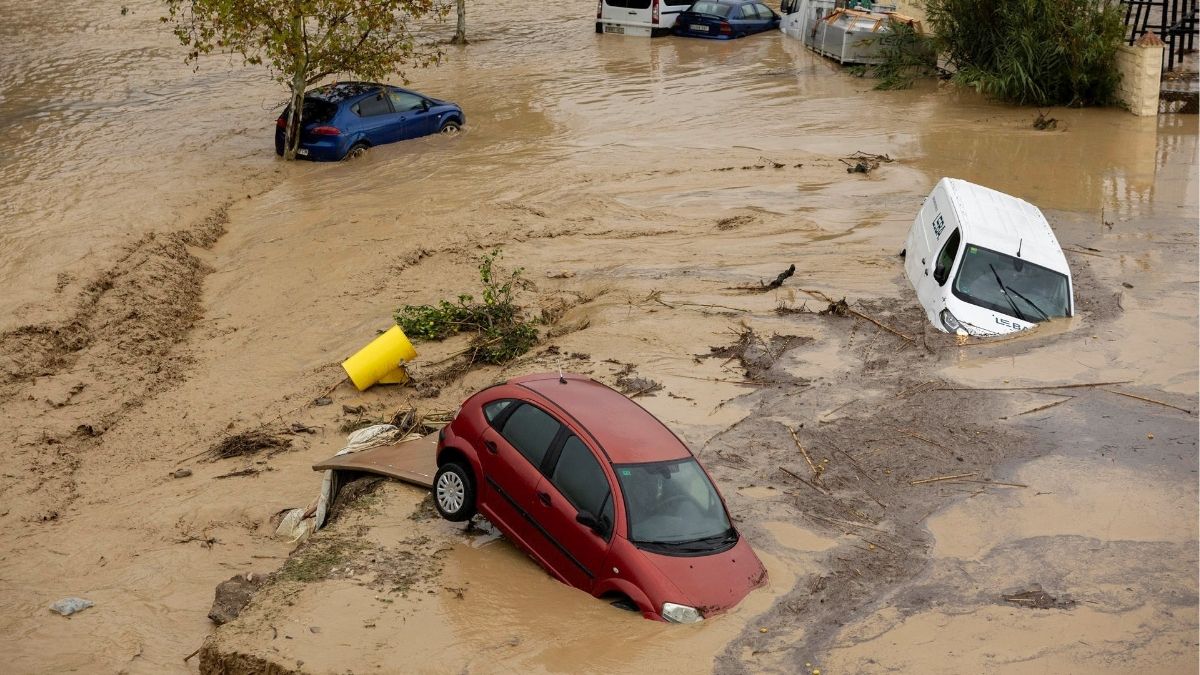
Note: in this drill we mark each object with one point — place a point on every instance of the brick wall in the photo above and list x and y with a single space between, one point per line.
1141 74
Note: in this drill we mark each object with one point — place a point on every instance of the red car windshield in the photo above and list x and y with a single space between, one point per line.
673 505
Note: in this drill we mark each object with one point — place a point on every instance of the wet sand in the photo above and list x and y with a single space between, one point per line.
173 283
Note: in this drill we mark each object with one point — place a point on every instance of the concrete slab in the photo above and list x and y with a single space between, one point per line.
412 461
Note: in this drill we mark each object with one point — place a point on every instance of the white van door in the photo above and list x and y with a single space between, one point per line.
918 247
936 240
626 14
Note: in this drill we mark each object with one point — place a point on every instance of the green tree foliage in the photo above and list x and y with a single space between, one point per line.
305 41
1033 52
502 332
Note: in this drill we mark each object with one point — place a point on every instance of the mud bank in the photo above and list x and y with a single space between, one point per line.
113 388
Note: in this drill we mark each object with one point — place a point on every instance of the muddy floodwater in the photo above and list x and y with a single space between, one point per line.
168 281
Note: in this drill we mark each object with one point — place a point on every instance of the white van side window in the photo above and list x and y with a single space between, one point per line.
945 259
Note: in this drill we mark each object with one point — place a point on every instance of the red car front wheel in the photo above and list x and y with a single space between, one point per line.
454 492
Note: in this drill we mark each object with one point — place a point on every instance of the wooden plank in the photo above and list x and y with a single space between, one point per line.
412 462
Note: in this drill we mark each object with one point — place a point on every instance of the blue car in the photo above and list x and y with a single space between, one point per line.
725 19
344 119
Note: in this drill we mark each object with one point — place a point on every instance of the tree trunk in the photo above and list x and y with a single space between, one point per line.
460 34
291 136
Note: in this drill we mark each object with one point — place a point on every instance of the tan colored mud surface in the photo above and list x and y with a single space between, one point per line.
169 282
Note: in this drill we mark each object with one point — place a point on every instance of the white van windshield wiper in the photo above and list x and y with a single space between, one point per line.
1031 303
1004 290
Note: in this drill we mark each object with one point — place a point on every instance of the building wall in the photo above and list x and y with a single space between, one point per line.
1141 74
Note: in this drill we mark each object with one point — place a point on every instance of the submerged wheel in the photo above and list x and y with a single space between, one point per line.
357 150
454 492
450 127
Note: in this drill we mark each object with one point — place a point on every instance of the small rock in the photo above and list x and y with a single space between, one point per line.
1126 284
314 629
561 274
182 473
232 596
324 400
69 606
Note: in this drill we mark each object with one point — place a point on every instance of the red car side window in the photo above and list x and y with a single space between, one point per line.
493 411
579 477
531 431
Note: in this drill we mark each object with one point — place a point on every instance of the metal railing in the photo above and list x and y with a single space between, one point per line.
1174 21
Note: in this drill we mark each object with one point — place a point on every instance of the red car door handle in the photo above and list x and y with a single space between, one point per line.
491 446
544 498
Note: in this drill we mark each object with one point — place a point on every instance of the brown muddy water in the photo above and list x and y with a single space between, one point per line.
168 281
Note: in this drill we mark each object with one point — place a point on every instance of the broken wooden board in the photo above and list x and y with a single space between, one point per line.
412 461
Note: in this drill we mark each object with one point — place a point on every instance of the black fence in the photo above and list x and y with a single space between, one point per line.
1174 21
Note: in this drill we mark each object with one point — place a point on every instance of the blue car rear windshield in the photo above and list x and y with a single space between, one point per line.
712 8
315 110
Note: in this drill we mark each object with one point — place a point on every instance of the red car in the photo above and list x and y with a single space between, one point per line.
599 492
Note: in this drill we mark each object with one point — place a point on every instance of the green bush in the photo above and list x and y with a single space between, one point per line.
502 332
907 55
1032 52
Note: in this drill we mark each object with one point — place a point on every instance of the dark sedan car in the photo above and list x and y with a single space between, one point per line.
725 19
346 118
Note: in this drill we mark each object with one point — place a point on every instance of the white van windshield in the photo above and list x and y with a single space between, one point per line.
1011 286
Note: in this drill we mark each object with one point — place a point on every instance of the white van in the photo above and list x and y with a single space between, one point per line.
985 263
644 18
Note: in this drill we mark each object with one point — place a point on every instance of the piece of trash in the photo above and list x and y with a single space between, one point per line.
1150 436
381 361
839 308
862 162
324 400
182 473
562 274
1043 123
783 276
985 263
69 606
249 443
1036 598
634 386
298 524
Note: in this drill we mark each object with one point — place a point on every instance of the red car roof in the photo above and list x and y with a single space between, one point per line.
627 432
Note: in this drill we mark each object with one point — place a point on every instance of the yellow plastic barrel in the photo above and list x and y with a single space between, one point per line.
381 361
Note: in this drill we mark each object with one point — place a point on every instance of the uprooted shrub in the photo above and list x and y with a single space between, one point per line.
1032 52
502 332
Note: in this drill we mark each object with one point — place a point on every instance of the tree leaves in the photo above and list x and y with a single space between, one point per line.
1034 52
302 42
